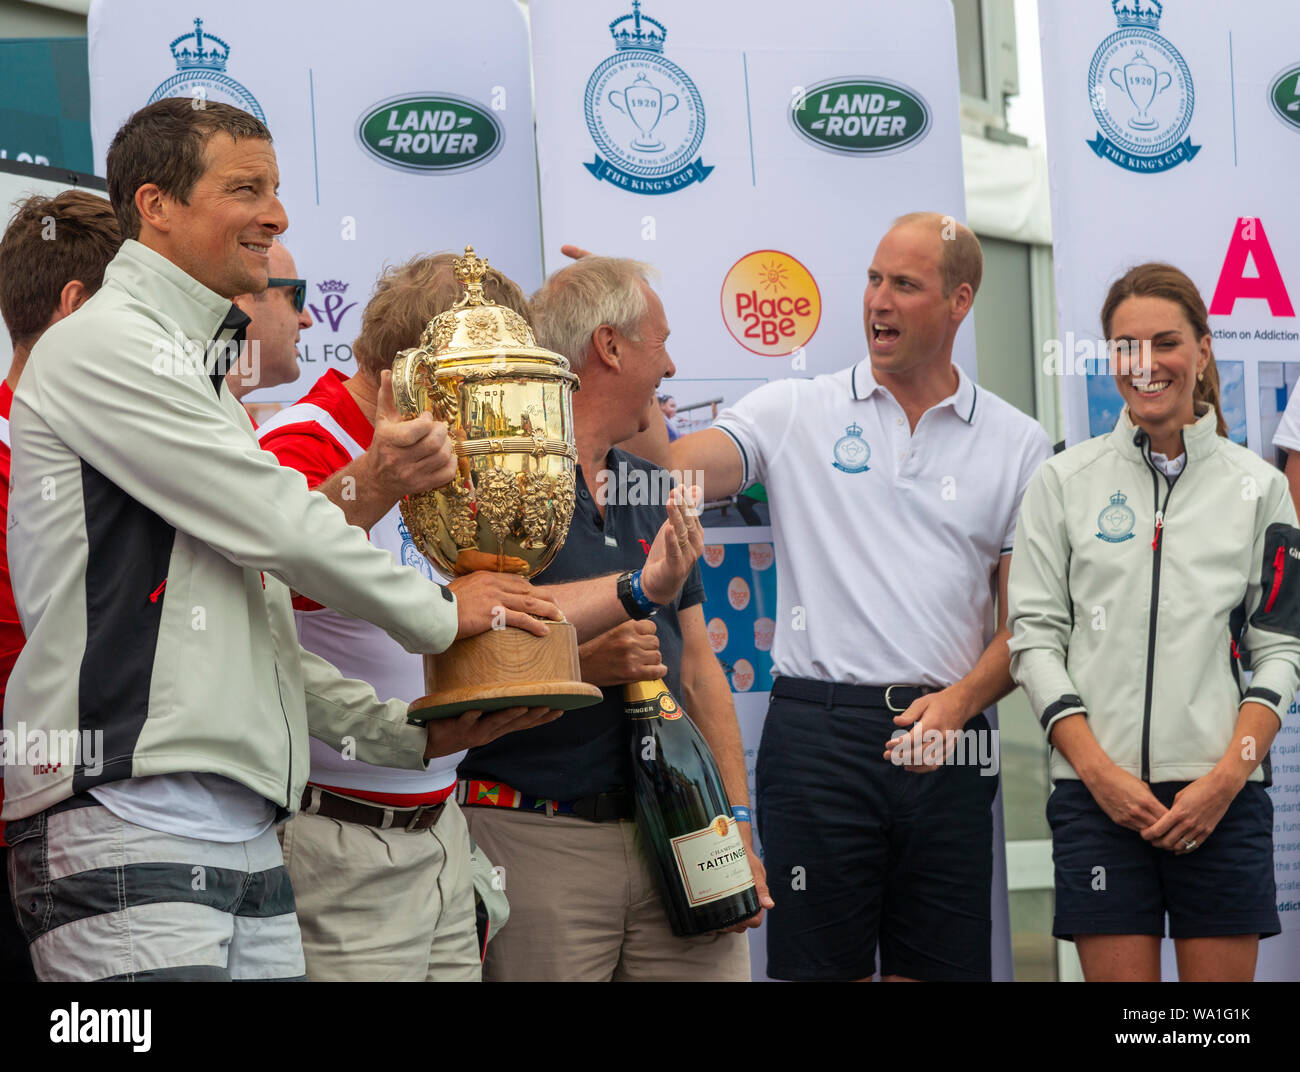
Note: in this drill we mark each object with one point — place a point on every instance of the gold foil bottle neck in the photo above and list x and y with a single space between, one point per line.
637 691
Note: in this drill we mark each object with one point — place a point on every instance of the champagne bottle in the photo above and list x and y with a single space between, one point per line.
684 816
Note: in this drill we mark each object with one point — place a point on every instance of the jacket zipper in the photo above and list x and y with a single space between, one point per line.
288 779
1279 560
1157 547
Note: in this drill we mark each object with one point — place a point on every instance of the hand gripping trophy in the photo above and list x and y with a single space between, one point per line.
507 405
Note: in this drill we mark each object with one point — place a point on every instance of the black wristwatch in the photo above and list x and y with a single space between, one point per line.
638 605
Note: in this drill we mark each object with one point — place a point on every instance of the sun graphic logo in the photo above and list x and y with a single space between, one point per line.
774 274
770 303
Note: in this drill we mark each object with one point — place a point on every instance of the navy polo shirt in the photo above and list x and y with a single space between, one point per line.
586 752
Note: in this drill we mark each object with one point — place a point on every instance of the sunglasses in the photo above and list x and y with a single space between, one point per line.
299 290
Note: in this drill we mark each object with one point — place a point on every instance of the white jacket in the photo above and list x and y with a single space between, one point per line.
1128 591
152 547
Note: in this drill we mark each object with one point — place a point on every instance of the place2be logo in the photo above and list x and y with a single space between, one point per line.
860 116
771 303
430 132
1140 88
1284 96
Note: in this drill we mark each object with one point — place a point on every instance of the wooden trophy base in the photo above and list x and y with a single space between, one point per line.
505 668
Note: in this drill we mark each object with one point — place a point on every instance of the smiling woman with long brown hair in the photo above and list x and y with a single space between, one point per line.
1152 564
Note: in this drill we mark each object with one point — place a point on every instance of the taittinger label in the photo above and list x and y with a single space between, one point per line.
712 862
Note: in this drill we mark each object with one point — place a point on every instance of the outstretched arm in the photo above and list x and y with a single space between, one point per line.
714 462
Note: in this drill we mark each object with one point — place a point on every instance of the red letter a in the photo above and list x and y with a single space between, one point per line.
1249 240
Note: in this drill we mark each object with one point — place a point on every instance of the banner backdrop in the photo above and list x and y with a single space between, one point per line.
756 160
1174 134
403 133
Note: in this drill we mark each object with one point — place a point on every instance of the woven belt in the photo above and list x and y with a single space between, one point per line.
896 698
317 801
603 807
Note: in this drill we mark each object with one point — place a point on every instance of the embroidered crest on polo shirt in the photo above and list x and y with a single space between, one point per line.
851 451
1116 520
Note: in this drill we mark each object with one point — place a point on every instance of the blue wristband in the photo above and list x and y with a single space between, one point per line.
740 813
638 593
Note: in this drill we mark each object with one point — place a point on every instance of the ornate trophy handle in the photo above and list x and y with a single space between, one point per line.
415 389
404 392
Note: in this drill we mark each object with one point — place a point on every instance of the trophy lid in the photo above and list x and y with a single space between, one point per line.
476 327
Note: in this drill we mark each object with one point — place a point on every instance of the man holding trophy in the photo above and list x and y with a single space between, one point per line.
153 546
381 857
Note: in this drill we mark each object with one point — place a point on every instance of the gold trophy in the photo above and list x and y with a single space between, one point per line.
507 405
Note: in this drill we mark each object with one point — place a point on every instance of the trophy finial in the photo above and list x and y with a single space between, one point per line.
469 271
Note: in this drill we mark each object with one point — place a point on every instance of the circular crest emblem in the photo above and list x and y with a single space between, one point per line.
851 451
644 113
1116 520
410 553
668 707
201 59
205 86
721 825
1141 92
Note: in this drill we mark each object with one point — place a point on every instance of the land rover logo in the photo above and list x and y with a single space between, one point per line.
1284 95
434 132
859 115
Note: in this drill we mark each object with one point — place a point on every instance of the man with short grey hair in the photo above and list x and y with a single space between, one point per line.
563 792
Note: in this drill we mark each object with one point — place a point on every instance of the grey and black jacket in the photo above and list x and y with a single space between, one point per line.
153 546
1138 599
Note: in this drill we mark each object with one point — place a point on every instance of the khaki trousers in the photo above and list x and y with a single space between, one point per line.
584 907
387 905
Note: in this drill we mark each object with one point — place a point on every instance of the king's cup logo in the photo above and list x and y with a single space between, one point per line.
851 451
1141 93
644 113
201 73
1116 520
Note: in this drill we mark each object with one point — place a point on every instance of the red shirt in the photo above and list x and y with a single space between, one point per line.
318 435
309 447
11 630
306 445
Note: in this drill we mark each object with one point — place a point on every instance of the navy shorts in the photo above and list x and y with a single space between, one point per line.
1110 881
861 852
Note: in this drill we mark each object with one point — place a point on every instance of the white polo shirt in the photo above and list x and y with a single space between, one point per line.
887 540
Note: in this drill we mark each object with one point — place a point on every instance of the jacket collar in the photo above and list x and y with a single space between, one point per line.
1200 439
202 314
862 384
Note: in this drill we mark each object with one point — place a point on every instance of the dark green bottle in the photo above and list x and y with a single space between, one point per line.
684 816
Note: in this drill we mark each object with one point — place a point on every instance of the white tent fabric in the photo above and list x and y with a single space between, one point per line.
1006 190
